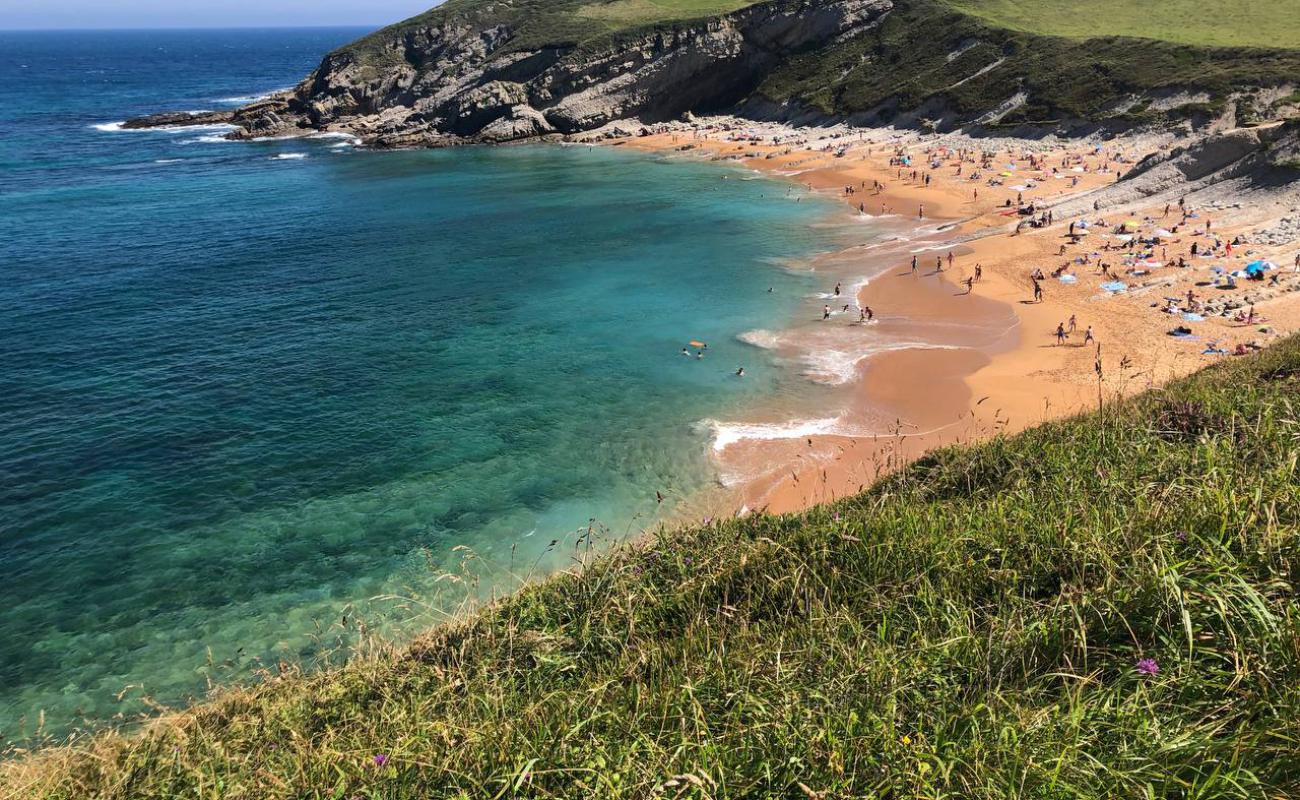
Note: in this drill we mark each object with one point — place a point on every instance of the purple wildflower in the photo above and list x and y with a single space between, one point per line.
689 561
381 760
1148 666
1180 536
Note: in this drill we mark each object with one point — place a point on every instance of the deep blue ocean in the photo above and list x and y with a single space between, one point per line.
248 391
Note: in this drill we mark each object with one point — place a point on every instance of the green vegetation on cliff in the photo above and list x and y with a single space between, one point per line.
1100 607
936 59
1217 23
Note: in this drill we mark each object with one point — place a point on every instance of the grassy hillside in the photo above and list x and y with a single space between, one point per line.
1102 607
1220 23
931 56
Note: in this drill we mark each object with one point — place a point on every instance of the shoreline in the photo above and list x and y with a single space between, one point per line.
1010 373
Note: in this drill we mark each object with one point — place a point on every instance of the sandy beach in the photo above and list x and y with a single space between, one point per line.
986 359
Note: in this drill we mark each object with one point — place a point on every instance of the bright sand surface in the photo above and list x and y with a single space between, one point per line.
990 361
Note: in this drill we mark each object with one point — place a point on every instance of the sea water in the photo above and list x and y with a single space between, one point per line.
250 390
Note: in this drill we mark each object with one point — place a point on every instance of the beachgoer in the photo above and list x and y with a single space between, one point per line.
837 290
914 264
686 352
1072 323
1087 335
1060 333
826 312
979 273
740 373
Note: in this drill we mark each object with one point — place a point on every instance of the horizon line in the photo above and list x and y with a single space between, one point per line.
128 29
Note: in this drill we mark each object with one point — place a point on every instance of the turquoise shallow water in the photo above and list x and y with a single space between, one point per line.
247 387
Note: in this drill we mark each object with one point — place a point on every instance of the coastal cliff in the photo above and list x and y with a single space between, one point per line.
476 71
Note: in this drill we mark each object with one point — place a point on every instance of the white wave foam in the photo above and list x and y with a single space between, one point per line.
837 367
243 100
725 434
290 156
205 140
109 127
169 161
764 339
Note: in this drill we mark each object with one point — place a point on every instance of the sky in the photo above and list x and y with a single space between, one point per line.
203 13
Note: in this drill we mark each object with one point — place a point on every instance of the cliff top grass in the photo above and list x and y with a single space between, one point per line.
1221 23
1100 607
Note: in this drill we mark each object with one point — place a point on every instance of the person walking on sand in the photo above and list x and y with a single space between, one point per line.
1038 291
970 285
826 312
950 259
938 263
979 272
920 211
1087 336
1060 333
914 263
837 290
1073 323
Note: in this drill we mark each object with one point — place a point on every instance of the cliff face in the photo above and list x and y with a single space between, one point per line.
499 70
453 80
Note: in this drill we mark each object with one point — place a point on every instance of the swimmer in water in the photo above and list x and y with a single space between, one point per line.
740 373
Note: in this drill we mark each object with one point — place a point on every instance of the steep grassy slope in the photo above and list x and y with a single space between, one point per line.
1102 607
555 23
936 60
